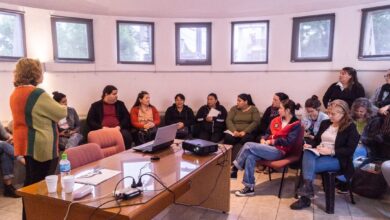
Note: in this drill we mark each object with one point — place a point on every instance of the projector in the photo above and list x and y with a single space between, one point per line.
200 147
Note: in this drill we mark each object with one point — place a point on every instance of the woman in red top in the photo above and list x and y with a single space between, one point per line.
144 118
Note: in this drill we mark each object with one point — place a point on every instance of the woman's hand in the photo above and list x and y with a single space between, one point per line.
262 141
180 125
384 110
209 118
10 140
324 150
307 146
241 133
236 133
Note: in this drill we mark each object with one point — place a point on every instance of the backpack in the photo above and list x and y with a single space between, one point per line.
368 183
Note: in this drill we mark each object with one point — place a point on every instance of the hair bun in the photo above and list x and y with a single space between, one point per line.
297 106
55 93
314 97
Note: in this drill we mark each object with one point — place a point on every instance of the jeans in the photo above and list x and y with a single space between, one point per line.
313 164
249 154
360 151
7 160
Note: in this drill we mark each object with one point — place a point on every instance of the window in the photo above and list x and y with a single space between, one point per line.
135 42
249 42
72 39
12 38
193 43
313 38
375 33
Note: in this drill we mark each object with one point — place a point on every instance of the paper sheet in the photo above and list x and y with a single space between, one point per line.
99 178
213 113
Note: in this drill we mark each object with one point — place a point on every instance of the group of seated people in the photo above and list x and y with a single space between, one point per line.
335 134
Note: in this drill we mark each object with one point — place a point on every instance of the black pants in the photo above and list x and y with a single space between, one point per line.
237 142
208 136
127 138
37 171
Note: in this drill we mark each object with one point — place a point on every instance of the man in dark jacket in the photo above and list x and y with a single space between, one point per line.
109 112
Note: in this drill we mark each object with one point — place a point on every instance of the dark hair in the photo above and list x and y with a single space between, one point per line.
108 90
140 95
246 97
58 96
352 72
313 102
215 97
181 96
290 104
282 96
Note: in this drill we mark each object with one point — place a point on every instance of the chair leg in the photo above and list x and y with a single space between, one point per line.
281 183
350 192
298 183
269 173
329 184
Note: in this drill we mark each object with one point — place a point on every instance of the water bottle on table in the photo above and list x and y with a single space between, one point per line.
64 167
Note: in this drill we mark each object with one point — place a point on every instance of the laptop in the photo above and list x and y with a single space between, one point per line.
164 139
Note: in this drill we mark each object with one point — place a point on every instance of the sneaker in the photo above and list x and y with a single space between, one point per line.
342 188
301 203
9 191
246 191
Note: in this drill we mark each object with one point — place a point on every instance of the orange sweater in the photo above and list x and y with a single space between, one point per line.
140 125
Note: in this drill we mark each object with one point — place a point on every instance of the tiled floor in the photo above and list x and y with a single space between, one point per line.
264 205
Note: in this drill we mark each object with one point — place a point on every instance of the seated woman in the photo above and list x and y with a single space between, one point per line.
241 121
312 120
381 98
362 112
181 114
211 128
347 88
68 127
109 112
144 118
271 112
332 150
7 162
275 147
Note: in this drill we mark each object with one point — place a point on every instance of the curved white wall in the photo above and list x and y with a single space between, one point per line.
83 82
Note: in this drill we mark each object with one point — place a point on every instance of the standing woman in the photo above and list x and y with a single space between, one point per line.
313 118
144 118
35 116
347 88
241 121
211 128
334 145
181 114
68 127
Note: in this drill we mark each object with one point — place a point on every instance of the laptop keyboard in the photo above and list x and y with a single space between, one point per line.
144 146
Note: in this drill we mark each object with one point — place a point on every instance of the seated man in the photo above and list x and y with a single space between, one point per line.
109 112
7 162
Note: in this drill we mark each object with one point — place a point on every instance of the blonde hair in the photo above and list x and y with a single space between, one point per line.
346 120
27 72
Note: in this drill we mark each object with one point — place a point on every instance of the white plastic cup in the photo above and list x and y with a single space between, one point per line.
51 183
68 183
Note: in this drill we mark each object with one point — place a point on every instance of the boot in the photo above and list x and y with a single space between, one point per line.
306 189
301 203
9 191
233 173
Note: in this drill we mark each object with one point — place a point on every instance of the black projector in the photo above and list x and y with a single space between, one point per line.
200 147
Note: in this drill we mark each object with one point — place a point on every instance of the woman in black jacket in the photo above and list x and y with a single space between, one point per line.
181 114
347 88
110 112
211 128
332 150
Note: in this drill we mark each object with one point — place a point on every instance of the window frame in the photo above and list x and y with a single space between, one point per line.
21 14
232 42
91 50
295 37
118 22
206 25
365 11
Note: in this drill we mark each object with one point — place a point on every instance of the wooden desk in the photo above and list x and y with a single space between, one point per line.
192 179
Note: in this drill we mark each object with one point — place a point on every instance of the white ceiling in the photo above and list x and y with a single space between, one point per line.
189 8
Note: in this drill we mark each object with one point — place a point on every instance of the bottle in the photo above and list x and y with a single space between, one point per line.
64 167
